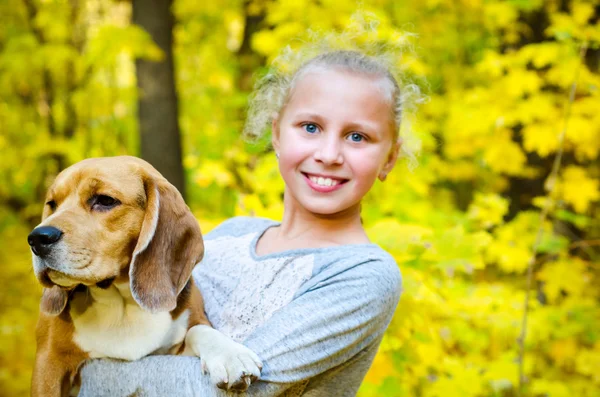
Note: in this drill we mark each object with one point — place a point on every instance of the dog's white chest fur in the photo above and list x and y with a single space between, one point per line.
115 326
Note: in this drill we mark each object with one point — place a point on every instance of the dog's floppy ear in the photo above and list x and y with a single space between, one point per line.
168 248
54 300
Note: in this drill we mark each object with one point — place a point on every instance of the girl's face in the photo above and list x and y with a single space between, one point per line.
334 138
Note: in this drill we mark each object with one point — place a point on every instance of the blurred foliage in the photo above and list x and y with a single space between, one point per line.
461 225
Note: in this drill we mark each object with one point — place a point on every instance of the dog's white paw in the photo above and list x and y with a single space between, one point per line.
231 365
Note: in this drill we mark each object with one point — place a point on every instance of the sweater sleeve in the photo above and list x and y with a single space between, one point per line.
328 324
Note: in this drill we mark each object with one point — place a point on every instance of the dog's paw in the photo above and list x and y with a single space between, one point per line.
231 365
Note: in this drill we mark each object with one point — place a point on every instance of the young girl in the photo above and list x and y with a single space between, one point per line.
310 295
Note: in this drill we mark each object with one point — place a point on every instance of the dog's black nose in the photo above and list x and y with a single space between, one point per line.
42 238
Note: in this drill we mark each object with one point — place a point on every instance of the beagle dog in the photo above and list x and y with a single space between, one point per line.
115 252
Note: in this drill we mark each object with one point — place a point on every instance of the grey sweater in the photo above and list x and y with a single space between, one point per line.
315 317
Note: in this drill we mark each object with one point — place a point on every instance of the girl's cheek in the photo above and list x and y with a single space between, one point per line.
290 138
298 145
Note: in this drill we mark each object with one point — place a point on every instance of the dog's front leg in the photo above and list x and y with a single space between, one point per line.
231 365
53 374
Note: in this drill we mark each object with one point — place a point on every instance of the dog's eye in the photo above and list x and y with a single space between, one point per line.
102 202
51 204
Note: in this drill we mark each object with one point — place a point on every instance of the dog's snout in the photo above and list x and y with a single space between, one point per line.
42 238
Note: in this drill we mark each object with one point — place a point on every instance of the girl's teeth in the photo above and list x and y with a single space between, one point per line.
323 181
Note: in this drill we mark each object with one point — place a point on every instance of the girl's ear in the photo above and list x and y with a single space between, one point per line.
391 160
275 132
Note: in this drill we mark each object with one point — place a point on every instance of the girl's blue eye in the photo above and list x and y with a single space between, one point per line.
312 128
356 137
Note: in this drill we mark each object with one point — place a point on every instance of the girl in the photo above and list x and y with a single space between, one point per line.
310 295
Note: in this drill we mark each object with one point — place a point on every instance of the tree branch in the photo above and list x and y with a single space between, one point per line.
550 186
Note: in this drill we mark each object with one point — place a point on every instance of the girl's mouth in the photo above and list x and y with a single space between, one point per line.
323 184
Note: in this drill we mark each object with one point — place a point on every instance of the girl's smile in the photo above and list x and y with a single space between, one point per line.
323 183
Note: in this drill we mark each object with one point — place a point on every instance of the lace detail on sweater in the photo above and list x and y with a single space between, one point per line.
261 287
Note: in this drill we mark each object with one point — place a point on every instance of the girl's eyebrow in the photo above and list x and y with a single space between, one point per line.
362 127
309 116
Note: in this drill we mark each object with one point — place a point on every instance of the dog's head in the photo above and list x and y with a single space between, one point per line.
113 218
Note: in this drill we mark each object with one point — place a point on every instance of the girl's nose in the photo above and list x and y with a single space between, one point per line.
329 151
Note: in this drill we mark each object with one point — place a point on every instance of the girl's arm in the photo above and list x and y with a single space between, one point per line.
327 335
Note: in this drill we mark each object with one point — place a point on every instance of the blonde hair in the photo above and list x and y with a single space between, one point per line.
343 51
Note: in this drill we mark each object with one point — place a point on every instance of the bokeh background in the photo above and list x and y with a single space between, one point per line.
483 216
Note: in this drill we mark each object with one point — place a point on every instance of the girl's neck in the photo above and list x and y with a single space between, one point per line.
303 229
344 227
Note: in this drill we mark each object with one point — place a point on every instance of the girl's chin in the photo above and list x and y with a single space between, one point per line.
332 210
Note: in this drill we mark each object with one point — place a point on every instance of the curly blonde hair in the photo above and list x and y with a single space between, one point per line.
342 51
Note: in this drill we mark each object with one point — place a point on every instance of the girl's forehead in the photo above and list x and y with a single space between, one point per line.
340 87
326 77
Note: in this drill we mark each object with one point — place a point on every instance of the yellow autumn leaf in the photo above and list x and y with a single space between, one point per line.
265 42
564 352
562 74
581 12
404 241
206 224
459 171
465 381
249 205
212 172
235 30
577 188
542 54
488 209
520 82
537 108
564 276
503 155
583 136
510 258
500 15
541 138
503 372
513 242
220 80
550 388
588 362
381 368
